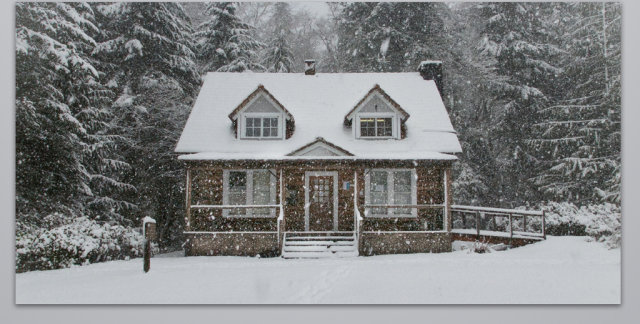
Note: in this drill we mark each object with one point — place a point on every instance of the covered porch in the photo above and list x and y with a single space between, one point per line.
384 207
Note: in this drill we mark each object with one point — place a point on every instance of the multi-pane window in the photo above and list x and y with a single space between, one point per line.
258 127
391 187
249 187
237 192
379 191
376 127
402 191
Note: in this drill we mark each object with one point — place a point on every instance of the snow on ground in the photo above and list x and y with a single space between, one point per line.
560 270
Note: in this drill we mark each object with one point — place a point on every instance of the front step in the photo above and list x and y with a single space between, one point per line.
306 246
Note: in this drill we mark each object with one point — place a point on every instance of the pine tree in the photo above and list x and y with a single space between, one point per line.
278 56
224 42
525 54
64 162
390 36
579 135
147 50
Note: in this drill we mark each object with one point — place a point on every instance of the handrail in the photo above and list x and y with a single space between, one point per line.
497 210
235 206
481 212
279 220
403 206
281 214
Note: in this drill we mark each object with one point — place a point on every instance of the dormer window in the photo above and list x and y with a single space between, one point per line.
261 127
376 116
261 116
376 126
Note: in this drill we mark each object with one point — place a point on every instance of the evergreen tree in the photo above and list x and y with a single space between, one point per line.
579 135
278 56
147 50
64 161
526 56
224 42
390 36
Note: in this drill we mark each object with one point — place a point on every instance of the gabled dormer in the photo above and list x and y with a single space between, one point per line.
320 147
377 116
262 117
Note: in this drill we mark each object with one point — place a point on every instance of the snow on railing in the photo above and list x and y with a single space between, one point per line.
480 220
279 220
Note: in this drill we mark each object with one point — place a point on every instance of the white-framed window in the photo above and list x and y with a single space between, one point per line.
376 125
249 187
261 126
391 187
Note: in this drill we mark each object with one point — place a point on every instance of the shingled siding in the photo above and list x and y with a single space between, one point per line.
396 243
206 188
237 244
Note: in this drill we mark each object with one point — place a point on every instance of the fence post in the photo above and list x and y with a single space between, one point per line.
478 224
524 223
544 230
510 228
149 233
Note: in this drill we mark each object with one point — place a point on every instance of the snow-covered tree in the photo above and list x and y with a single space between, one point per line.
65 161
147 50
579 135
390 36
278 56
224 42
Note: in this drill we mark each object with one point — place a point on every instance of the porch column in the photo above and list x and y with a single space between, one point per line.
446 179
187 190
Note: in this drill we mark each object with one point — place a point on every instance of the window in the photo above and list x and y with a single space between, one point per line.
261 127
249 187
376 126
391 187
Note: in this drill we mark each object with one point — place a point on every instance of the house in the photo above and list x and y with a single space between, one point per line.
319 164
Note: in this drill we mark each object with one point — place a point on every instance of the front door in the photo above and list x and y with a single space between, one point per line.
321 203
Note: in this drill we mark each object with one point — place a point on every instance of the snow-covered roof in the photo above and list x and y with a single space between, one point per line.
318 104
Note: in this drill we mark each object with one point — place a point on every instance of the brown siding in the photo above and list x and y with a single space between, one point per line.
207 189
240 244
396 243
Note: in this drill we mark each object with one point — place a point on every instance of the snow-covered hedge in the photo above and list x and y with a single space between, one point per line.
75 241
602 222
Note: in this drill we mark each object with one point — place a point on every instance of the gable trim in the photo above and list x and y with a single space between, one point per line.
260 90
376 89
321 141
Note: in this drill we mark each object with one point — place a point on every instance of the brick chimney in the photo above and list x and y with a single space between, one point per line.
309 67
432 70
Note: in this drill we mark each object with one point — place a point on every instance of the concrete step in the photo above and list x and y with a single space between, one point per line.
287 242
319 248
318 255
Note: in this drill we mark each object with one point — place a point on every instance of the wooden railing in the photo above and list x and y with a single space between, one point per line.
357 218
531 223
368 215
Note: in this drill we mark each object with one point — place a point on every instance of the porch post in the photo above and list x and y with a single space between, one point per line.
446 210
188 200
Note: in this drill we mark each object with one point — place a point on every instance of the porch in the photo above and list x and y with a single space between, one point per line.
322 208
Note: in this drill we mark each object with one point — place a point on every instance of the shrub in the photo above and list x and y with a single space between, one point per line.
74 241
603 222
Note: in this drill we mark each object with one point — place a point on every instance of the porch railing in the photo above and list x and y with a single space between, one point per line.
417 207
357 218
513 222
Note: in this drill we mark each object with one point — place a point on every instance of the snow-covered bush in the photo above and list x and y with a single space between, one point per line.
602 222
480 247
74 241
